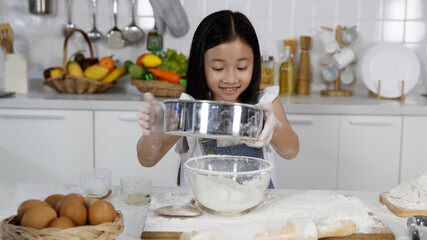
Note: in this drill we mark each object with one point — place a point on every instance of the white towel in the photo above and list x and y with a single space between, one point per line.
170 14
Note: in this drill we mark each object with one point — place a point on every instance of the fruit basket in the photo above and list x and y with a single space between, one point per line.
164 75
10 229
158 88
74 84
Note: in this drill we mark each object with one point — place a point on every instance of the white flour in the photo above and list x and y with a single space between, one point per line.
225 195
322 206
410 195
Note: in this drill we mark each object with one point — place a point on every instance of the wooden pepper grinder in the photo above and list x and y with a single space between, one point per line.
304 75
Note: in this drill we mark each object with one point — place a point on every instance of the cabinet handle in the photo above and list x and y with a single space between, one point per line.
301 121
128 118
31 116
371 122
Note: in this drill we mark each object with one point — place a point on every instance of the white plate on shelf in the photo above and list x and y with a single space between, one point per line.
391 63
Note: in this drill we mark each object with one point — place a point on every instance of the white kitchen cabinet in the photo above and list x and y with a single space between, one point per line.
369 152
414 150
315 166
45 146
116 135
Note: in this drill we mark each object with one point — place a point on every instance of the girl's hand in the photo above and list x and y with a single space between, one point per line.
269 125
150 119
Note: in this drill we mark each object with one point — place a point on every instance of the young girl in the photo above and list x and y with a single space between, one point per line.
224 65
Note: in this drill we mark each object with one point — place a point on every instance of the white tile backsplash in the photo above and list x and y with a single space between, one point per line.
415 31
325 9
281 9
303 9
394 9
238 5
348 9
416 10
371 9
370 31
393 31
40 38
260 8
195 8
213 6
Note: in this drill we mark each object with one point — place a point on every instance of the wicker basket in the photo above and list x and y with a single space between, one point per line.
160 89
73 84
10 229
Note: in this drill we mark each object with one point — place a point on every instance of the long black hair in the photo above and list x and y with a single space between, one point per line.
217 28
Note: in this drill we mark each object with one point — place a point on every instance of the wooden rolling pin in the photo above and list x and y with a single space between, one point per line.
292 229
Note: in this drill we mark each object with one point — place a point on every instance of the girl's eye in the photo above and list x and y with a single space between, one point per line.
242 68
217 69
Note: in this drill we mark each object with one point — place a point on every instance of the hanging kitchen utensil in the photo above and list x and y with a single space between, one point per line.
132 33
154 40
188 210
94 34
40 6
67 27
6 37
115 36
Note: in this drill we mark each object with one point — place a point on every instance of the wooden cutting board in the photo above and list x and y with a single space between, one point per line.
282 204
399 210
379 233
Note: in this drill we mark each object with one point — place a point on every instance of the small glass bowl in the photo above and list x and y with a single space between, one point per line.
95 182
136 190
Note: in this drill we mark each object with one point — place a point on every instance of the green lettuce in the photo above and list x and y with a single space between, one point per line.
174 62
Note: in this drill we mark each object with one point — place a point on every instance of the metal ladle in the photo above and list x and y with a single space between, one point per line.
132 33
69 26
114 36
94 34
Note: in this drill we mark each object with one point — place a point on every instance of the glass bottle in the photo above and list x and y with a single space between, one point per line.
267 71
154 41
286 73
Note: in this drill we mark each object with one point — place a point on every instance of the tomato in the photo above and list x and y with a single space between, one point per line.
108 62
139 59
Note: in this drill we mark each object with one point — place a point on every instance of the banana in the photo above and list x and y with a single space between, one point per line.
74 69
95 72
115 74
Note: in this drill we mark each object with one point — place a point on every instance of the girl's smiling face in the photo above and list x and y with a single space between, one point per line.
228 70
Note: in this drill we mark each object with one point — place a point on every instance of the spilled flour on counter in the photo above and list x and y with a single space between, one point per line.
410 195
323 207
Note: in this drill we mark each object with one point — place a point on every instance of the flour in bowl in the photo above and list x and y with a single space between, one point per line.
225 195
412 194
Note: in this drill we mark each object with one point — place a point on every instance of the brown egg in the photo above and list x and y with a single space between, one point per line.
101 211
53 199
62 222
72 197
28 204
90 201
38 217
75 211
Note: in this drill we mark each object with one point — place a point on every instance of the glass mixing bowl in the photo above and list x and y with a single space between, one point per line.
228 185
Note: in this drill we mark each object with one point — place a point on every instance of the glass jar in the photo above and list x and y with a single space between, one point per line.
267 71
286 73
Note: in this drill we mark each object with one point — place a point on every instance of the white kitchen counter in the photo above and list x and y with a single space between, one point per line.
125 97
11 195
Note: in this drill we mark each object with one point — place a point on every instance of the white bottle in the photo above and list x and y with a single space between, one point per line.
15 73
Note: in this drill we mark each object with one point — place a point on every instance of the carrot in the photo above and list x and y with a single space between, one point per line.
166 75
